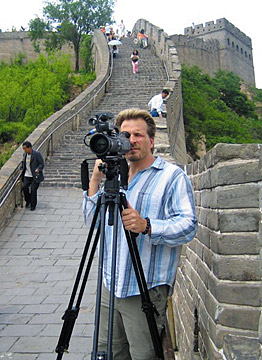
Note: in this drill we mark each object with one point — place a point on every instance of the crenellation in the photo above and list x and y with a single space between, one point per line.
233 52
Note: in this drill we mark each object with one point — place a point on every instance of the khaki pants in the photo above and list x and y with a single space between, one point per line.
131 335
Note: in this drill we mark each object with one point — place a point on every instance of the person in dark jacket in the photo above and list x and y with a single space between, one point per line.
32 174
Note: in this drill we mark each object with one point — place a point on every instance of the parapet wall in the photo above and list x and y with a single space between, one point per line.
18 42
196 51
221 24
164 48
218 293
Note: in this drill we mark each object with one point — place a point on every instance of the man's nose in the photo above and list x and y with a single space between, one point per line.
132 139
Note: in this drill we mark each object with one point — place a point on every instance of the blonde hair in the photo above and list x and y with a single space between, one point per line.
135 114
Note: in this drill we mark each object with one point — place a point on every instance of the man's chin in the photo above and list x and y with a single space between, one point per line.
132 157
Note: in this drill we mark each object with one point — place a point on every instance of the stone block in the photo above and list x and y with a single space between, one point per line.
231 197
236 173
236 268
231 292
235 316
234 243
241 348
209 218
217 333
207 256
226 152
203 235
203 272
207 348
239 220
205 181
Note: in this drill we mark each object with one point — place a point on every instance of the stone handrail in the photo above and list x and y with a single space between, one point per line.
164 48
49 132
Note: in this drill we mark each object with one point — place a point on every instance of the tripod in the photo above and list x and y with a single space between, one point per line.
114 201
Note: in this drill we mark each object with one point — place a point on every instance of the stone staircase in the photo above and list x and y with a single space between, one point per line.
125 91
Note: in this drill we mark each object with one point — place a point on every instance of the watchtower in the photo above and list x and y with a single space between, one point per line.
235 48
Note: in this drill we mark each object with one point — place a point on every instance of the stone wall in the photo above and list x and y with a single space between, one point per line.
49 132
15 43
164 48
232 53
204 54
218 293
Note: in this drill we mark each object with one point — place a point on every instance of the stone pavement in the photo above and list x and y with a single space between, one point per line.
40 253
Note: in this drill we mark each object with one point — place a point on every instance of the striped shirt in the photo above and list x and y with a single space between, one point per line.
163 193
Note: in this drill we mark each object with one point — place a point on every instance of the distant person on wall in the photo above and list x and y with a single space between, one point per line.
122 30
32 174
134 60
156 104
142 39
115 51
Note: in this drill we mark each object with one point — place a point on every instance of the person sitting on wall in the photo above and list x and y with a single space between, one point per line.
156 104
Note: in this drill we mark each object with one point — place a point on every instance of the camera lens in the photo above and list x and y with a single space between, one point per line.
99 144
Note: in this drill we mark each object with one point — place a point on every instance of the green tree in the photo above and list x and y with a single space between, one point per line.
75 19
216 110
228 85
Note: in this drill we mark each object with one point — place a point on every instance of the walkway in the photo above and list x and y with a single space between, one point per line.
39 257
40 251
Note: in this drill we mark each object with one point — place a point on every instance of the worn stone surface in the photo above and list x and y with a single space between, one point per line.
38 265
241 348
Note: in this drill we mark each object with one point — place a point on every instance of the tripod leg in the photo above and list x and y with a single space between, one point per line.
112 288
147 305
71 313
100 279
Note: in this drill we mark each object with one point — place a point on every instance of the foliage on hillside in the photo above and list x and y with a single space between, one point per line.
31 93
69 22
216 111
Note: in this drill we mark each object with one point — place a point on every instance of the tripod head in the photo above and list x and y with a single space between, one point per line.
116 171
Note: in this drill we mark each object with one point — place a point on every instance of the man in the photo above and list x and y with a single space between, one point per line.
161 210
32 174
156 104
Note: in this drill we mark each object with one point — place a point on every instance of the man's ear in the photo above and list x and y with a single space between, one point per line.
152 142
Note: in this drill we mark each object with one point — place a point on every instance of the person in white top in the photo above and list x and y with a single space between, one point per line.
156 104
122 29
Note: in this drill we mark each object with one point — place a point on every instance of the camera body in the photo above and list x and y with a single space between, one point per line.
108 142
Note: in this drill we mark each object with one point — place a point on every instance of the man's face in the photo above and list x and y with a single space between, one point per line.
164 95
140 141
27 150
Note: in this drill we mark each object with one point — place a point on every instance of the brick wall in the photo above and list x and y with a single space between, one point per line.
217 298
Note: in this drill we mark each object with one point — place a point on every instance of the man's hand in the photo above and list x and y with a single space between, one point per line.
96 178
133 221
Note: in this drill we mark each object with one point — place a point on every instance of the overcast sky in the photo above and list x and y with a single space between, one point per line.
170 15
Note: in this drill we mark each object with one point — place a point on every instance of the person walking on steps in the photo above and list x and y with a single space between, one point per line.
156 104
162 213
134 60
32 174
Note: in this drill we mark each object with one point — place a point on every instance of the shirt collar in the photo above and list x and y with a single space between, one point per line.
158 163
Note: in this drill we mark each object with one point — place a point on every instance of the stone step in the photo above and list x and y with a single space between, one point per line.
126 90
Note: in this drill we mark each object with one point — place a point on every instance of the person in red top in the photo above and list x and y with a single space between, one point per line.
142 39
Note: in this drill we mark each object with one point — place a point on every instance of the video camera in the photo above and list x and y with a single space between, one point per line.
109 145
108 141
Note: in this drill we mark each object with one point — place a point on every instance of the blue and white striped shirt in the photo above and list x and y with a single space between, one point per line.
164 193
